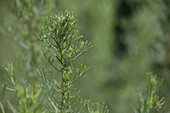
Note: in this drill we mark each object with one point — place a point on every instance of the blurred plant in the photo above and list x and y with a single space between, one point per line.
150 102
27 17
27 100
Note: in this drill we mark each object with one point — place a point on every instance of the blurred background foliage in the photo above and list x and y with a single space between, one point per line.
129 37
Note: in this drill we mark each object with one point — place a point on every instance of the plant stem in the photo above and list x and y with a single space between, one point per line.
62 94
32 41
2 108
62 84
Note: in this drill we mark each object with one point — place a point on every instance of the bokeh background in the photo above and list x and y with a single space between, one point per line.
129 38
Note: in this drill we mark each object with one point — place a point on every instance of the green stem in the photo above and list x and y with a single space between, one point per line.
62 93
62 84
2 108
32 41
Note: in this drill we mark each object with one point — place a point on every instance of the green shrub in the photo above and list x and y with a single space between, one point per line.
151 102
62 48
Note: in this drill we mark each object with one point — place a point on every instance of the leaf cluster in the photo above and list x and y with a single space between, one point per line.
63 47
27 99
59 35
151 102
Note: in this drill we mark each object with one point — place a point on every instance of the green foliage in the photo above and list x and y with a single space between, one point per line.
22 8
27 99
26 18
130 38
99 109
151 102
63 47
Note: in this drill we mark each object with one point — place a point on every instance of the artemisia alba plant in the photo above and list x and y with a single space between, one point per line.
151 102
26 18
63 47
27 100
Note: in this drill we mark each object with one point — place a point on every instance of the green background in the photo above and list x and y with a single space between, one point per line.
129 38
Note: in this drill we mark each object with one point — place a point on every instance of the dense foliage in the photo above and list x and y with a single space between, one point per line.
129 39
